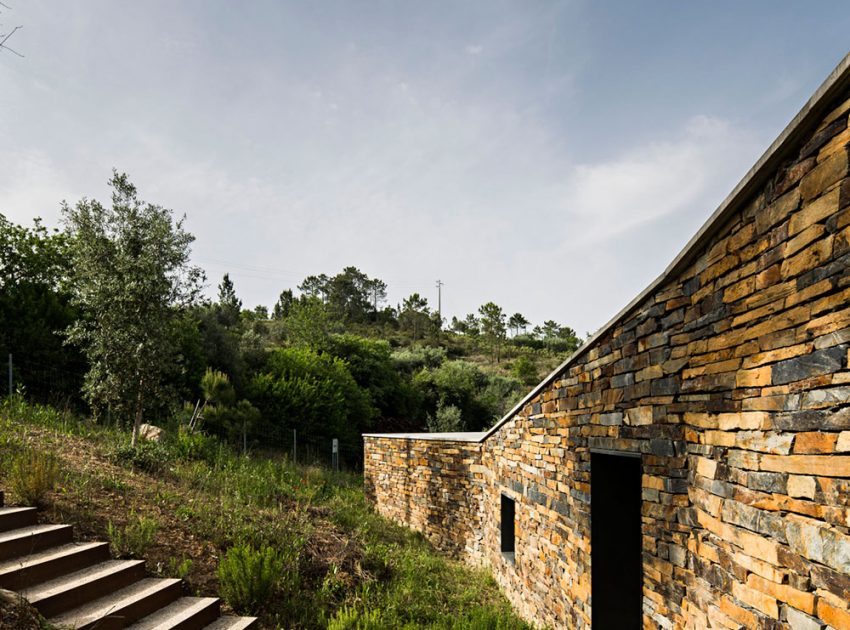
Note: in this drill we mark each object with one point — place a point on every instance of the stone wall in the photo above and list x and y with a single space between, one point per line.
730 378
434 487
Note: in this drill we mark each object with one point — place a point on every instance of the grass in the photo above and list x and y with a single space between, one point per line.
330 561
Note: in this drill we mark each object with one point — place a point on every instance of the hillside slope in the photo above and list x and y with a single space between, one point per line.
341 566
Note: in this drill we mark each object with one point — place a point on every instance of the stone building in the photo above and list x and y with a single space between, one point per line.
689 466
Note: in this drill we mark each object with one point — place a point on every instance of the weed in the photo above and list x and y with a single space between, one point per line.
132 540
176 569
34 474
348 618
249 576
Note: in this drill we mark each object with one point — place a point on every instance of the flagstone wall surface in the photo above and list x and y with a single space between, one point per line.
731 380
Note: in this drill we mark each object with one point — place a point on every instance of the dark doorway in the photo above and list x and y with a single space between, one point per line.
615 542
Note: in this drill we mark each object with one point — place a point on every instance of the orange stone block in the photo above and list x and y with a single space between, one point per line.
815 442
835 617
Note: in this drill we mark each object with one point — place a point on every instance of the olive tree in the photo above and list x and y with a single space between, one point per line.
130 276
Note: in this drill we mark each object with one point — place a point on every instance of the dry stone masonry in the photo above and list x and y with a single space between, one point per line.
728 378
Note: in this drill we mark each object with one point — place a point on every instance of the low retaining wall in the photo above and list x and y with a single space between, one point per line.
431 486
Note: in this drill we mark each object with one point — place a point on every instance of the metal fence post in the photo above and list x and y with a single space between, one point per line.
335 454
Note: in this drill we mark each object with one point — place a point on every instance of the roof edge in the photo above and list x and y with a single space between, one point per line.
805 119
466 436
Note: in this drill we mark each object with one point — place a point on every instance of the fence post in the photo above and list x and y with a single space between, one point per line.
11 391
335 454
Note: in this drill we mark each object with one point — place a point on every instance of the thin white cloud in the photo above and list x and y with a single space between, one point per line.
474 49
648 182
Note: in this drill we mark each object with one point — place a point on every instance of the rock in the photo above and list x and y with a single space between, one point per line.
801 621
151 433
824 361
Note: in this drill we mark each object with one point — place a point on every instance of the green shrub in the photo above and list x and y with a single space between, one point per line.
316 394
34 473
525 370
148 456
250 576
195 446
447 418
132 540
176 569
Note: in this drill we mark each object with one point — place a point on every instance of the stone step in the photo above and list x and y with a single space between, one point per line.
18 573
27 540
123 607
187 613
75 589
16 517
233 623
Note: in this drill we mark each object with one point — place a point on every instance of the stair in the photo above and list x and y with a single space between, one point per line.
78 585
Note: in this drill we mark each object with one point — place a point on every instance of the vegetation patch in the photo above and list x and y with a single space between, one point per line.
297 545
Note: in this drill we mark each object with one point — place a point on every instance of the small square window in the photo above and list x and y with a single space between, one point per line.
508 527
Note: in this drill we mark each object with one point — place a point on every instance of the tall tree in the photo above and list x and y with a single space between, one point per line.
283 305
349 295
415 314
229 306
130 274
493 327
516 322
315 286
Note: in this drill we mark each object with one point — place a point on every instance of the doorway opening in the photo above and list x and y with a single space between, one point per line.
616 574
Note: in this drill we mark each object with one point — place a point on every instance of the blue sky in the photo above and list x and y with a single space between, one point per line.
550 156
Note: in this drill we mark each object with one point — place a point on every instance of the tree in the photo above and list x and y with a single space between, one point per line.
415 314
130 275
558 338
377 290
516 322
308 323
283 305
229 306
315 286
349 295
493 327
34 310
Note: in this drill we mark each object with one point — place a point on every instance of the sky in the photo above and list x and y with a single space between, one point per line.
552 157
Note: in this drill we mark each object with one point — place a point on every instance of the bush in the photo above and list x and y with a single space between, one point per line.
195 446
229 422
250 576
34 473
148 456
132 540
447 419
314 393
525 370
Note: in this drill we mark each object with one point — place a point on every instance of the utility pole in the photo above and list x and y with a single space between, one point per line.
440 299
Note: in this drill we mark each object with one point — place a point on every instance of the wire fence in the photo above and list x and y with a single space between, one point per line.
48 384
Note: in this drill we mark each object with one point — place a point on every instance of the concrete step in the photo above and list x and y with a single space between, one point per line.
18 573
233 623
16 517
123 607
187 613
27 540
77 588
